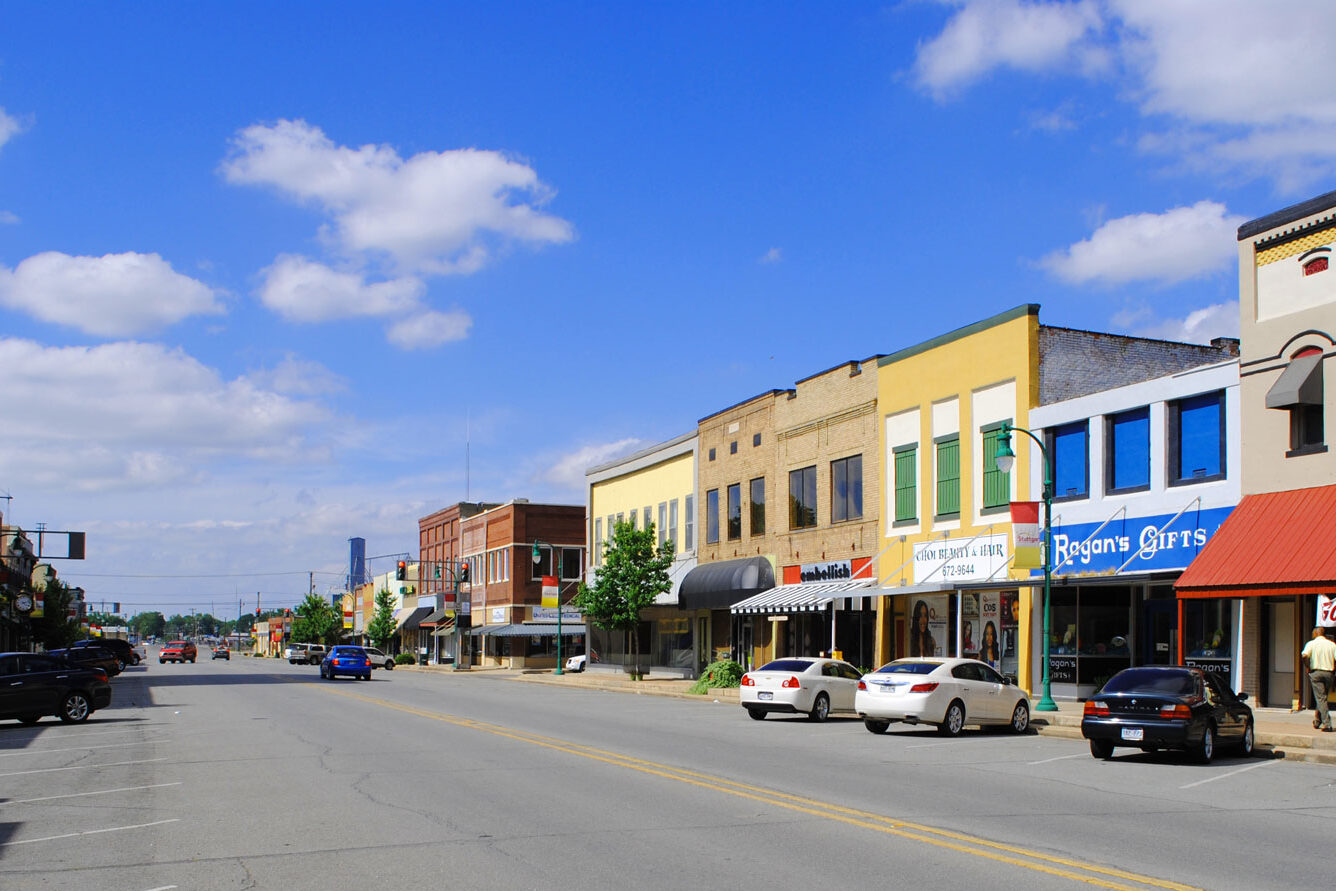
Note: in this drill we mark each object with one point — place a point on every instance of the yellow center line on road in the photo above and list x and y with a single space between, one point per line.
942 838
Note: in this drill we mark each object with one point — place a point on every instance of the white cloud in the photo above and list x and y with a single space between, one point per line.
125 414
1218 90
569 470
116 295
1198 326
1180 244
298 377
9 127
429 329
9 218
434 213
774 255
306 291
986 34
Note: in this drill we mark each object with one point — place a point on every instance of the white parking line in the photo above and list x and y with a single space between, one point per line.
32 841
164 888
81 794
1061 758
81 748
1230 774
38 734
19 773
992 740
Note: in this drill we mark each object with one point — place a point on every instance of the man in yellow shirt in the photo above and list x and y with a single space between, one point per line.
1319 657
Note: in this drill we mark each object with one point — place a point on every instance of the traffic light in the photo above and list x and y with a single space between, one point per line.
463 575
401 572
288 613
257 612
438 570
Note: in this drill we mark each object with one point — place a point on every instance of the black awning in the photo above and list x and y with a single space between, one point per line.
436 618
720 585
414 619
1299 384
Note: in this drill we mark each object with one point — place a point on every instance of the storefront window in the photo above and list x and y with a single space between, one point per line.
1208 628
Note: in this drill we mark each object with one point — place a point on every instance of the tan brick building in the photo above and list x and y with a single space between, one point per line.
787 519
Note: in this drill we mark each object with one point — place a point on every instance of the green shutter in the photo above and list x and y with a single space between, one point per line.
948 476
906 484
996 484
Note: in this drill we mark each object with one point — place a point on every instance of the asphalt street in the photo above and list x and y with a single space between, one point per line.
257 774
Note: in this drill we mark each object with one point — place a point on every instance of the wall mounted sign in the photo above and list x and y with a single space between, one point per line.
1143 543
960 560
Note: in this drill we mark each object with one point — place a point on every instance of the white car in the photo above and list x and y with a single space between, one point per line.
811 686
577 663
379 659
947 692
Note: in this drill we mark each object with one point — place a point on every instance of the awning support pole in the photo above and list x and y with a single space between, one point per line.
1141 547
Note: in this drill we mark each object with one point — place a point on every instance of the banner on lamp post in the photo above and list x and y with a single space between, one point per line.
1028 546
549 590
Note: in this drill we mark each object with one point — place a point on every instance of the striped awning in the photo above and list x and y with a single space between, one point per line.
803 597
531 629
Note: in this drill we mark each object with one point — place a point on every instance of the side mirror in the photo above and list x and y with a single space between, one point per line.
1241 697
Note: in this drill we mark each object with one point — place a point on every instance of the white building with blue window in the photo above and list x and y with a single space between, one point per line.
1143 476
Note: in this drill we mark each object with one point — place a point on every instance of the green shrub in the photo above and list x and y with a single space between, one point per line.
405 659
724 673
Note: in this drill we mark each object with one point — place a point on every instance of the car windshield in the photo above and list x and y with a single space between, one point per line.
787 665
907 668
1142 680
347 651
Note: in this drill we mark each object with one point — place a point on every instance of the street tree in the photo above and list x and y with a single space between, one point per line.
149 624
54 628
317 621
634 573
381 628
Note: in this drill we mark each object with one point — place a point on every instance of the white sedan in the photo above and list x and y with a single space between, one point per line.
947 692
810 686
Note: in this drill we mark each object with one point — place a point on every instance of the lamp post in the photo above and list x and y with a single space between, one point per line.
462 584
1006 459
538 558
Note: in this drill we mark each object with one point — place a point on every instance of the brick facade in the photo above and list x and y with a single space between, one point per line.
1076 363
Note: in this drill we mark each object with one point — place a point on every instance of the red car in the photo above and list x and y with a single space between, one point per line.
177 651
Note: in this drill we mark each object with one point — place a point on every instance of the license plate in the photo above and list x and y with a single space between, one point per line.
1133 734
765 695
889 688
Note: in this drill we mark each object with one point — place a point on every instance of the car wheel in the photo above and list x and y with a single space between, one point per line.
954 720
75 707
875 726
121 664
162 661
756 714
1205 749
1247 741
389 665
1020 718
1101 749
820 708
192 660
29 719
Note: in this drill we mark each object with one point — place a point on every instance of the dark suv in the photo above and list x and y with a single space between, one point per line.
90 657
40 684
121 648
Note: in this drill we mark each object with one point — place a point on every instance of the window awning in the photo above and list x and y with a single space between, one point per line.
531 629
802 597
433 619
722 584
414 619
1299 384
446 630
1273 543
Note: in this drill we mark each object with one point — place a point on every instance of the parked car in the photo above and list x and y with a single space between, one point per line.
39 684
577 663
810 686
90 657
1167 707
347 660
221 652
177 651
307 653
378 658
127 654
949 693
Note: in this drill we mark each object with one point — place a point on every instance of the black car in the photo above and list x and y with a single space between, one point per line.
34 685
126 654
90 657
1158 707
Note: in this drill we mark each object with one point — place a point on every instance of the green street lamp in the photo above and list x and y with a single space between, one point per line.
1006 459
538 558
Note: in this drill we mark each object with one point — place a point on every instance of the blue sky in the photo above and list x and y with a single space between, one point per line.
263 265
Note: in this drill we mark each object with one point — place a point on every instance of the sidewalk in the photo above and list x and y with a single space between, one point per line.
1280 733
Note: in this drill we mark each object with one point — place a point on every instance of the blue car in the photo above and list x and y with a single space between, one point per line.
345 660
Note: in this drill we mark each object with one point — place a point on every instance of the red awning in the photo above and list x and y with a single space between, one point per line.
1275 543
